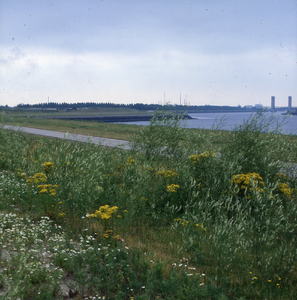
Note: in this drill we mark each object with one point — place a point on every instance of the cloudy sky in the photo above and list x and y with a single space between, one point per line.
215 52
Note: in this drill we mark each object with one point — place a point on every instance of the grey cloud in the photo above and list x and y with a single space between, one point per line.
134 26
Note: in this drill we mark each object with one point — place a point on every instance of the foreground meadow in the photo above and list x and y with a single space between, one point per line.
170 219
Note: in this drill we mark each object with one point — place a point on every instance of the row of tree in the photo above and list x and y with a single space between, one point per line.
137 106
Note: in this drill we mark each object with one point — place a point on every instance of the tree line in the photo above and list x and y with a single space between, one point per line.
137 106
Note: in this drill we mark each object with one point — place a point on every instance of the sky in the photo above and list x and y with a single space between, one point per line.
199 52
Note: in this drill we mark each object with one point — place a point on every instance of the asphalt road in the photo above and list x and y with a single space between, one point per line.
73 137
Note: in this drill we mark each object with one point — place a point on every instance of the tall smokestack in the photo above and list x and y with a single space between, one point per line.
272 103
289 103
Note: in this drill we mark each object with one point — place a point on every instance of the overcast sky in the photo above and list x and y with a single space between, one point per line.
216 52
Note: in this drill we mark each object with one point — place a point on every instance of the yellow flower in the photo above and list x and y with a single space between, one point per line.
120 166
185 223
47 166
195 158
200 227
37 178
130 161
104 213
250 182
172 188
284 188
47 188
167 174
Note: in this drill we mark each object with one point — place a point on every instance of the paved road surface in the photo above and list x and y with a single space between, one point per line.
72 137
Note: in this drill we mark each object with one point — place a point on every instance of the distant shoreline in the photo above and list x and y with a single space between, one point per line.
108 118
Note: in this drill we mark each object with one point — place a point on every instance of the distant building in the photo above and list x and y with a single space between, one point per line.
258 106
272 103
289 103
249 106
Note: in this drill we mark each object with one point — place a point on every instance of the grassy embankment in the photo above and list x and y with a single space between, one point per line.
99 129
92 128
181 221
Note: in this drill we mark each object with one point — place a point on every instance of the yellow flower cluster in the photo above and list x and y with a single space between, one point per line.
130 162
283 186
167 173
244 181
107 234
104 213
150 170
172 188
185 223
37 178
21 173
120 166
47 166
281 177
196 157
200 227
285 189
47 188
254 180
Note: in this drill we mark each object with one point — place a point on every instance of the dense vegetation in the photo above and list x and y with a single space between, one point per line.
170 219
137 106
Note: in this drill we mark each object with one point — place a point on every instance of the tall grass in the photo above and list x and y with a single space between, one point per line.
198 224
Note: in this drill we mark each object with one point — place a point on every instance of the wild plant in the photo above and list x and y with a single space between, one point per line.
166 137
231 214
257 145
12 149
25 261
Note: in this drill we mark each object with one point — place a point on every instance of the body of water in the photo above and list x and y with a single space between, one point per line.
229 121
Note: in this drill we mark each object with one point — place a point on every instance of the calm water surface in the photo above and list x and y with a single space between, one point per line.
208 120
